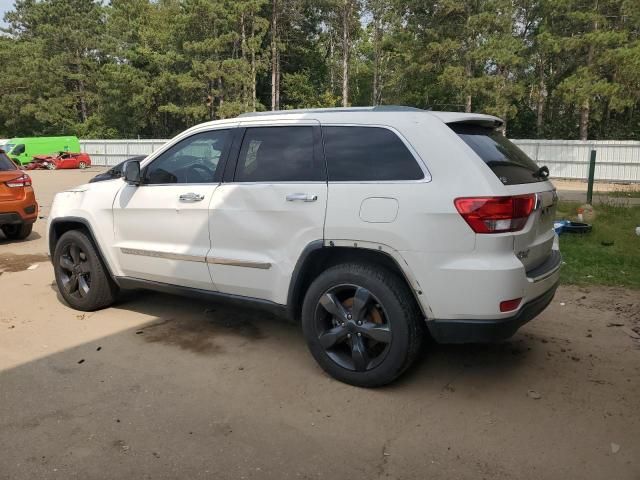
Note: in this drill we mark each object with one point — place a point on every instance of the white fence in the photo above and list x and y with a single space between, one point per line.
616 161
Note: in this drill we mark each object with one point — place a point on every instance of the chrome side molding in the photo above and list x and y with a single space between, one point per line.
196 258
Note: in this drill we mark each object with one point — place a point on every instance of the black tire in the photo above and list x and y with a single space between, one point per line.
391 307
17 232
81 277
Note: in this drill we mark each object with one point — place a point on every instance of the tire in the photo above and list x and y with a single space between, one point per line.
81 276
17 232
82 165
387 310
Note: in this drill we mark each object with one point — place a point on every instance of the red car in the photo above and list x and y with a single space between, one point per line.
60 161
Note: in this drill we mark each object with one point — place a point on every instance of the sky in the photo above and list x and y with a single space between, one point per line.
5 5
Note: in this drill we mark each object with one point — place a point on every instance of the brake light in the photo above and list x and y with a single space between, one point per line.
496 214
21 181
509 305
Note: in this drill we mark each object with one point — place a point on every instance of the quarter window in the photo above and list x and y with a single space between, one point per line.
6 163
193 160
368 154
278 154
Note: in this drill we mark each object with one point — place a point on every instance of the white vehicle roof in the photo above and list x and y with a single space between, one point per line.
357 115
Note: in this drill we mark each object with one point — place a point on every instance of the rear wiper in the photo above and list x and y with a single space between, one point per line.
542 172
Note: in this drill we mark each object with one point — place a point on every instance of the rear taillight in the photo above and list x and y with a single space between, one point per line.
496 214
21 181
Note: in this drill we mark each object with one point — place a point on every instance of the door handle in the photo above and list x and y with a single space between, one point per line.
301 197
191 197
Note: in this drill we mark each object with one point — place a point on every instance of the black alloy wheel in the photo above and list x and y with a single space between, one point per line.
353 327
75 271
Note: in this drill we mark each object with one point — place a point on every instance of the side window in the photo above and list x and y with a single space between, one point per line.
278 154
193 160
367 154
18 150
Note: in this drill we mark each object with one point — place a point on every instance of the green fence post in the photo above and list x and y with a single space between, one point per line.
592 172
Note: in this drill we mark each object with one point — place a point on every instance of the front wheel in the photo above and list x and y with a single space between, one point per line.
82 165
362 324
81 277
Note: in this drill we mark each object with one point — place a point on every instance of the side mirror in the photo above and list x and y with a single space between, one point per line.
132 172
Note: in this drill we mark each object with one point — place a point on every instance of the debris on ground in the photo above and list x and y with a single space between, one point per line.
630 332
533 394
615 448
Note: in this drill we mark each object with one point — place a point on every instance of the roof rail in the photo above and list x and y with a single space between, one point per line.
378 108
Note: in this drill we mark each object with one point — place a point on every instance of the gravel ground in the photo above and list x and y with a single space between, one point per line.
164 387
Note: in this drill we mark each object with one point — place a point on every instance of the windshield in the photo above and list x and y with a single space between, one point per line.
6 163
7 148
510 164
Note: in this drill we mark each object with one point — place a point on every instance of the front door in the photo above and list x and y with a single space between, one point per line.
162 226
271 208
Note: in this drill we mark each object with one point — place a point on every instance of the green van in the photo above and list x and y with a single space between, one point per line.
23 149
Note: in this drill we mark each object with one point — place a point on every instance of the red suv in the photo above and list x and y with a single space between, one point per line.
18 206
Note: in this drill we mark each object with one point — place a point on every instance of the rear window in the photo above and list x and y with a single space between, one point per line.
6 163
510 164
359 154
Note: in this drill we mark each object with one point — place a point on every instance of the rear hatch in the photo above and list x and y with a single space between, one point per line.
533 245
8 172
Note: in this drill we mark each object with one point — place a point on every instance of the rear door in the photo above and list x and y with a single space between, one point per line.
270 207
520 175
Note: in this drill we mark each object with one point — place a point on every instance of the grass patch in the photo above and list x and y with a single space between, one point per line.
588 261
619 194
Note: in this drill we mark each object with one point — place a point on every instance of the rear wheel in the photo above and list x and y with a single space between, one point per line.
17 232
82 165
362 324
81 277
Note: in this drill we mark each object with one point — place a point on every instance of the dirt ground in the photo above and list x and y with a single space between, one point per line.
169 388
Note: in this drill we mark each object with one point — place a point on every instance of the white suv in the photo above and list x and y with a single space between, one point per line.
365 224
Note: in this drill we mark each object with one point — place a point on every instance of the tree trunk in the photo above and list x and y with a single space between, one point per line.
542 98
376 61
332 77
243 49
81 99
83 104
585 108
468 68
584 120
253 68
278 80
274 57
220 94
346 16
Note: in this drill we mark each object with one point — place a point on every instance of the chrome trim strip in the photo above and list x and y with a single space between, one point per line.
548 273
163 255
238 263
544 275
195 258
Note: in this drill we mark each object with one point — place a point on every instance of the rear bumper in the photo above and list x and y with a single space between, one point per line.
22 210
489 331
14 218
